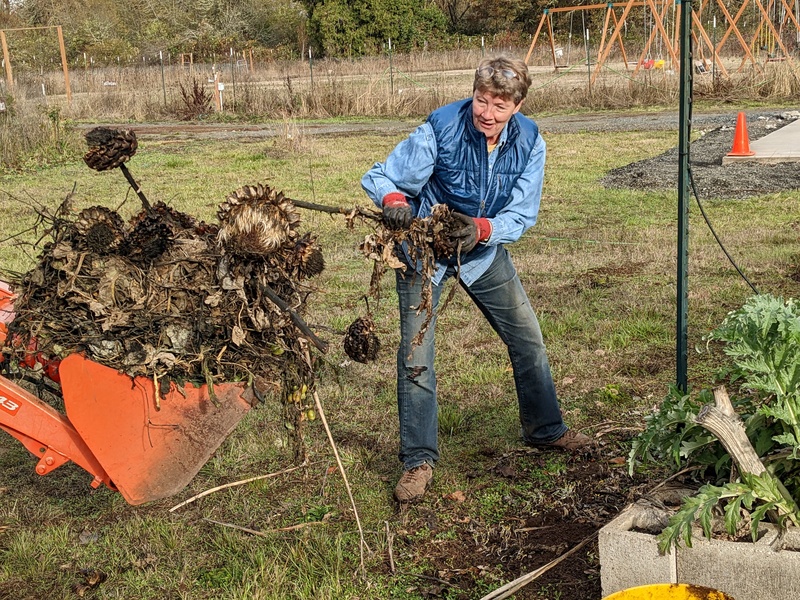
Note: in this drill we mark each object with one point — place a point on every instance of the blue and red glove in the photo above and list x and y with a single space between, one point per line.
474 230
396 211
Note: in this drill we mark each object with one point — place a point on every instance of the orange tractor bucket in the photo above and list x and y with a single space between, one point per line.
151 446
119 429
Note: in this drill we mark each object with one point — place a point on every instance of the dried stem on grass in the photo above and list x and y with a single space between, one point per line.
513 587
362 541
269 531
237 483
390 546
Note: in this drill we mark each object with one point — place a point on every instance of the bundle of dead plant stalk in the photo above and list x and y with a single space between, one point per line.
427 240
167 296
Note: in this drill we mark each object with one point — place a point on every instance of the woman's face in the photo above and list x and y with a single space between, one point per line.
490 114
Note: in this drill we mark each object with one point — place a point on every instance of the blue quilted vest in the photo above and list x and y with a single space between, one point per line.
460 176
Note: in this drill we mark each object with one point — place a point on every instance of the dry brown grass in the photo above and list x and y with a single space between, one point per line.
400 85
32 134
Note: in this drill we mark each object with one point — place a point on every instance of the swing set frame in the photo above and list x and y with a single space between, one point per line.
62 50
614 24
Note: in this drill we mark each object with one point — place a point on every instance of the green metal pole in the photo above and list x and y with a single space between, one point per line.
684 193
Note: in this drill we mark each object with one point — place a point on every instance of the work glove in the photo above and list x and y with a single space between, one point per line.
396 211
472 231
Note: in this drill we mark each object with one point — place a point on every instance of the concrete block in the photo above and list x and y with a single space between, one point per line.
769 568
630 558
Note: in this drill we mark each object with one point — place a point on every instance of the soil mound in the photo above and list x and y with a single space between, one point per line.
713 179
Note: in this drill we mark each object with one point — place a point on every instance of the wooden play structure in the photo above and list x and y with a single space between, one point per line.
7 57
773 27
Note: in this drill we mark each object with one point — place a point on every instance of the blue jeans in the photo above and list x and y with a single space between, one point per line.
499 295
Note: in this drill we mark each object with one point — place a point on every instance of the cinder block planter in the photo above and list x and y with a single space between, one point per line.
767 569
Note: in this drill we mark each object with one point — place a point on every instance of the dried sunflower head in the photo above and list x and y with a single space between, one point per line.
360 342
148 239
99 229
308 257
256 220
174 218
109 148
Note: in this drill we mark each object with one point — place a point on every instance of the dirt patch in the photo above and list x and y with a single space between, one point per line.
713 179
551 503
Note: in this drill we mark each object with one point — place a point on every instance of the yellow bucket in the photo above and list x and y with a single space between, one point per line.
669 591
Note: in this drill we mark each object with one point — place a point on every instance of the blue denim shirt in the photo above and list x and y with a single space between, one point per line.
409 167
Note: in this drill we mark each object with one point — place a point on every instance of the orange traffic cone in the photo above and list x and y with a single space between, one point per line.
741 144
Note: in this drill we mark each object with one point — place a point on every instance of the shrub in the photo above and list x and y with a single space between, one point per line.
762 338
196 101
33 135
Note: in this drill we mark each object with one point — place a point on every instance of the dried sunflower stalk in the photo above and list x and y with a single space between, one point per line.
425 241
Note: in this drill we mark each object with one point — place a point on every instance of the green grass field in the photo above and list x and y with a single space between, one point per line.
600 270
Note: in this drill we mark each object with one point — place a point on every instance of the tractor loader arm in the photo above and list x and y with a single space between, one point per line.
46 433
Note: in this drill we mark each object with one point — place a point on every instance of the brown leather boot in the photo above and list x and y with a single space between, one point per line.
571 441
413 484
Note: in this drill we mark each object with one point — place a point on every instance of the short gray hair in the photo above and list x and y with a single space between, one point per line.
503 76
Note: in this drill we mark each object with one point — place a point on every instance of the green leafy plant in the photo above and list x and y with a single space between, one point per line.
671 434
758 494
763 340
